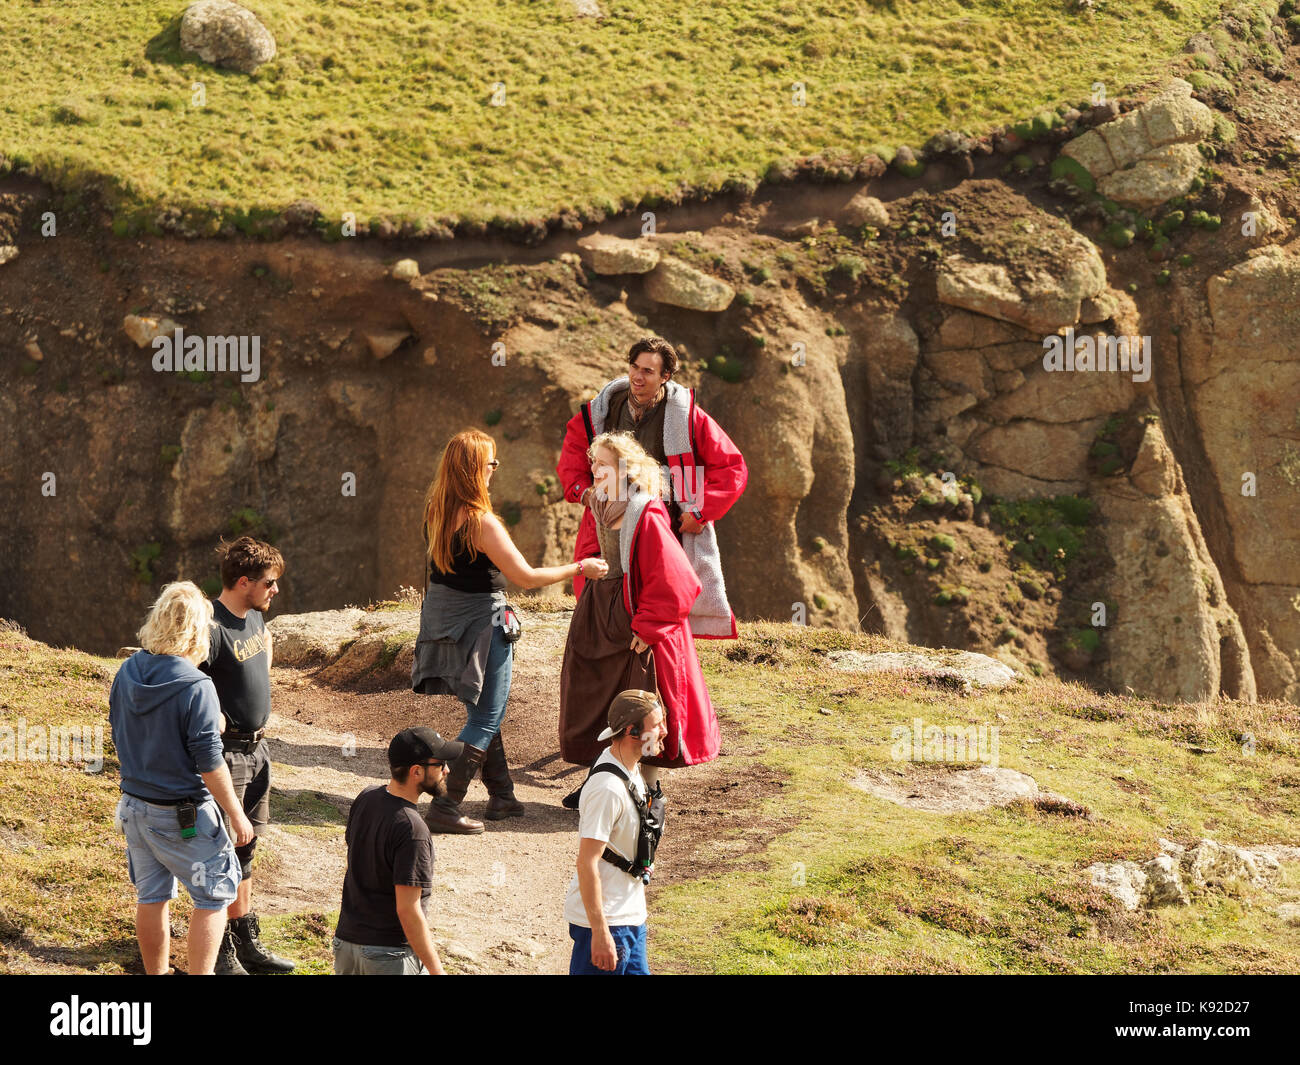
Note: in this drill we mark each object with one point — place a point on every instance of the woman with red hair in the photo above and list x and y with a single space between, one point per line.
462 648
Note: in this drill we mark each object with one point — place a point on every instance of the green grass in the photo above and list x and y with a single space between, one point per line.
862 885
63 878
65 897
304 937
842 882
383 107
1048 533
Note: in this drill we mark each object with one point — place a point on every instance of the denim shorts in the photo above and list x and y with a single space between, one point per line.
353 959
156 856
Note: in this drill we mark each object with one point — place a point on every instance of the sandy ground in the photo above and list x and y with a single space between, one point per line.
498 898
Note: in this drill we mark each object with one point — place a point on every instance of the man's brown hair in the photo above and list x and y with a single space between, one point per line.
249 558
657 346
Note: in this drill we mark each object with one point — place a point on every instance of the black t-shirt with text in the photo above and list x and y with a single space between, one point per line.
388 844
238 667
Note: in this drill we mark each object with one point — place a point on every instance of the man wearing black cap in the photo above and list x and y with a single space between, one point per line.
383 929
605 906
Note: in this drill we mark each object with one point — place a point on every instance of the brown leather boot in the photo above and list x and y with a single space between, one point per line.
501 789
444 813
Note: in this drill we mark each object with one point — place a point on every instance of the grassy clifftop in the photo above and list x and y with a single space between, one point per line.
778 859
385 108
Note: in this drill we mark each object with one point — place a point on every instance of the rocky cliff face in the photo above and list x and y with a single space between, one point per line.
919 463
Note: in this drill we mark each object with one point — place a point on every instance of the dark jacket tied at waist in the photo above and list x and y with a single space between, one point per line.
451 651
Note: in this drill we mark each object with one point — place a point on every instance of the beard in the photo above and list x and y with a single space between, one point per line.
437 788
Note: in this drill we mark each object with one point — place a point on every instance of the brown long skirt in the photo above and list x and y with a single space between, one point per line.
598 664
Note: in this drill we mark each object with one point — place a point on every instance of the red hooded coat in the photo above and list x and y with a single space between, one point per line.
658 591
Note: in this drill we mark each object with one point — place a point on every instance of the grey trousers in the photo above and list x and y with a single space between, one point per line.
353 959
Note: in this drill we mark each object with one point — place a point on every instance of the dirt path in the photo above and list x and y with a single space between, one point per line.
498 898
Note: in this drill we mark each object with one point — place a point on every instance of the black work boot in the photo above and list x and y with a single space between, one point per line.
444 814
227 963
252 954
501 789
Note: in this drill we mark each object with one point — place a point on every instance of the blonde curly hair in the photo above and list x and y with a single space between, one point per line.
178 621
640 467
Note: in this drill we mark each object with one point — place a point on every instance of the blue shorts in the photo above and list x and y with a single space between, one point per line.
156 855
629 951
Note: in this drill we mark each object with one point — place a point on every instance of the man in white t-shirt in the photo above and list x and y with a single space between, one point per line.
605 906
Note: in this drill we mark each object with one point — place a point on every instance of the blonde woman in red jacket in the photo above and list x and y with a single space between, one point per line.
631 628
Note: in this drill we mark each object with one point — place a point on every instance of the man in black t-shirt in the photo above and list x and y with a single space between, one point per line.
239 663
383 929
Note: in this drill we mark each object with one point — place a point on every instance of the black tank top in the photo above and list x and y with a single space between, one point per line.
466 576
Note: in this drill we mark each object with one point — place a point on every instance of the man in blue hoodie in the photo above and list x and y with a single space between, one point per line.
166 725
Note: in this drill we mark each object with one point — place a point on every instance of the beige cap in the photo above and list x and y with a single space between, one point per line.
628 708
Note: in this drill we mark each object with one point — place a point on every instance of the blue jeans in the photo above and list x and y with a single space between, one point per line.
629 949
483 719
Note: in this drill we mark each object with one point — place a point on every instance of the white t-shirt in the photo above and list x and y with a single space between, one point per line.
606 812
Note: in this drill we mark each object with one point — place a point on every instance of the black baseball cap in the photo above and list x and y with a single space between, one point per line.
413 746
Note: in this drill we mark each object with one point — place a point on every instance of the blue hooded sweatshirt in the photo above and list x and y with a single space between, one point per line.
166 723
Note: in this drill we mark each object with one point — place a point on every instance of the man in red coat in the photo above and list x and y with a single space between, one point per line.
706 471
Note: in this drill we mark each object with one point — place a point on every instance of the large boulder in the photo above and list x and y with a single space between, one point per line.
614 255
303 639
864 210
1149 155
1178 875
226 35
1158 176
1043 297
681 285
938 790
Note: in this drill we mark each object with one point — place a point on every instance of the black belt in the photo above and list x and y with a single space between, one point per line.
196 800
244 742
